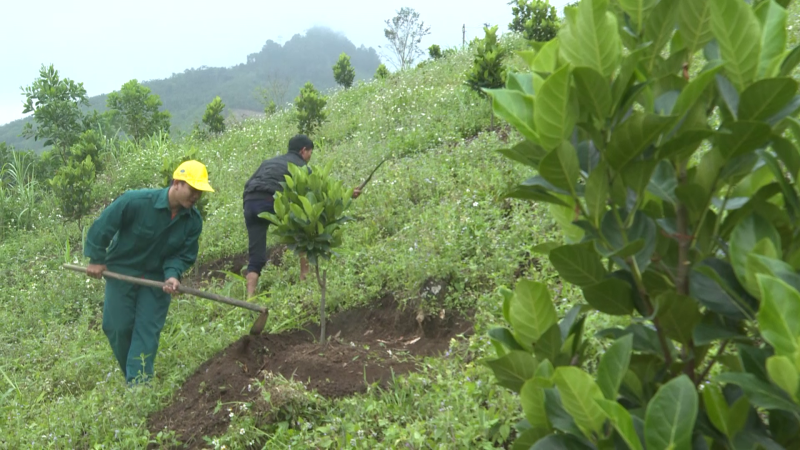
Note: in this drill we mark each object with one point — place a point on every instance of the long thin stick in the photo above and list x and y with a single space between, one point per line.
181 288
372 173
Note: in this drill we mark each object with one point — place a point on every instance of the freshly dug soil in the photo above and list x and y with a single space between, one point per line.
365 343
212 270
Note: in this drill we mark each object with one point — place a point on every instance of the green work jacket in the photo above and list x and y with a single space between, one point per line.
137 236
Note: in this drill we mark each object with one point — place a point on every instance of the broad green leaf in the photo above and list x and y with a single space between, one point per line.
516 108
559 416
562 442
684 145
744 238
537 193
694 197
621 419
765 98
790 62
548 346
529 438
590 38
617 238
783 373
508 297
513 369
532 399
694 90
614 365
578 394
505 337
743 137
561 167
669 420
578 263
738 34
637 175
788 153
633 136
760 393
773 36
555 114
564 216
678 315
596 195
531 312
525 152
547 58
777 317
637 10
522 82
694 23
610 296
663 182
594 91
659 27
716 408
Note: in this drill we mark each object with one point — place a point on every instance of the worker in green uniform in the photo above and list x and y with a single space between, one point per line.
152 234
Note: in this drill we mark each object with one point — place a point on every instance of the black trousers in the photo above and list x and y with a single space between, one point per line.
257 232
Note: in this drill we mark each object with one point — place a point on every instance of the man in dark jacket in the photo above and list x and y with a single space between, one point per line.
258 198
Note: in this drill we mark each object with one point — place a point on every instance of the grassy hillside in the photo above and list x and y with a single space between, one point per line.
431 215
308 57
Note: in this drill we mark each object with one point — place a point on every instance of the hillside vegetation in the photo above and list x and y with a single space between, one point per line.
302 58
618 219
430 214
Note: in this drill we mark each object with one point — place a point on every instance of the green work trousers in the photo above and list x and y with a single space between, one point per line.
133 317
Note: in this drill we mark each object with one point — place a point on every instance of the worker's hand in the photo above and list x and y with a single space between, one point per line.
95 270
356 192
171 285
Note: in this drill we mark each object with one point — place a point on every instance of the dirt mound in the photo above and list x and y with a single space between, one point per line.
368 344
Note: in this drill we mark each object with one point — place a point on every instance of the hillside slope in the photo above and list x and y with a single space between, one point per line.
308 57
432 215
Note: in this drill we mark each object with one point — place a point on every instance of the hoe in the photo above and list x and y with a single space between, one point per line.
256 329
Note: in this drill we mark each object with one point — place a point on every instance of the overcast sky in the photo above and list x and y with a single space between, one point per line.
105 44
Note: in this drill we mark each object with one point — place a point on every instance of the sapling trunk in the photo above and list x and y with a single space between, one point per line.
322 286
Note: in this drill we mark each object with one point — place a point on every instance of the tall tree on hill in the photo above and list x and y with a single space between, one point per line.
136 109
343 71
213 116
404 33
56 106
310 104
487 70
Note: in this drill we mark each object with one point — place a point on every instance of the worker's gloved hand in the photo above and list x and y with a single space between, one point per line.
171 285
356 192
95 270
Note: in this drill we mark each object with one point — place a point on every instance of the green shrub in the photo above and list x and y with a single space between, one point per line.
212 118
343 71
310 104
308 218
678 197
381 72
72 187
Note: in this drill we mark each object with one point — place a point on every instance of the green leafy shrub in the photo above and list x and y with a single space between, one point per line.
381 72
435 52
310 104
675 186
537 20
72 186
212 118
309 218
343 71
487 70
271 108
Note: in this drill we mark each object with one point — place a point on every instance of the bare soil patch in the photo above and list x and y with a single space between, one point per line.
370 345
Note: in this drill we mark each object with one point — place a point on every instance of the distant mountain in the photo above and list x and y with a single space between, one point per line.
185 95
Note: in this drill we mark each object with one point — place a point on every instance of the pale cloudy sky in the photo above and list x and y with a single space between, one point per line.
104 43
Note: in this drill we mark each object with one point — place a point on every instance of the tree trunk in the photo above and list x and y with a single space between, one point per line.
322 286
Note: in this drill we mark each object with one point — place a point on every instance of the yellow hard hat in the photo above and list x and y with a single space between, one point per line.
194 173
